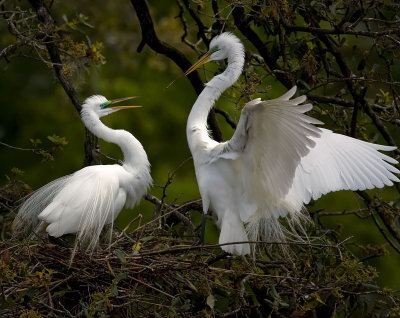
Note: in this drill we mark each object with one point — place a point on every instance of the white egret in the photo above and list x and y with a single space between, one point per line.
276 160
85 201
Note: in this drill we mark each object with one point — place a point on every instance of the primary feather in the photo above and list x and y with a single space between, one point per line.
84 202
276 160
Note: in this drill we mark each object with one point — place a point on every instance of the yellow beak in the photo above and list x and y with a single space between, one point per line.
118 100
195 66
199 63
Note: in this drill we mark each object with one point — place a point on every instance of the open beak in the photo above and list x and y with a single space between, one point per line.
199 63
118 100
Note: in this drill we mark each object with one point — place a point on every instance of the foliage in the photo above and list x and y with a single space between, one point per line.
31 37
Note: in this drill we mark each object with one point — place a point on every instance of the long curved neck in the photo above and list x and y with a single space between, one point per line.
197 121
134 155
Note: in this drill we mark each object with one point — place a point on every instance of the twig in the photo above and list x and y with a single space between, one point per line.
184 25
243 23
173 210
18 148
200 25
316 30
180 248
150 38
98 150
152 287
123 232
47 20
356 212
228 118
342 102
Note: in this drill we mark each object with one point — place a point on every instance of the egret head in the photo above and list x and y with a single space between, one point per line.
102 106
223 46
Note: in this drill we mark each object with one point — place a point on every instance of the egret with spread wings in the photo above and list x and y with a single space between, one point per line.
92 197
275 162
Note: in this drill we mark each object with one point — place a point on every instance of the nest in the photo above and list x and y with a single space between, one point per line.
153 272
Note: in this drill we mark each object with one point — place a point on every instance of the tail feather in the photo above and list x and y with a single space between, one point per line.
265 225
232 230
27 217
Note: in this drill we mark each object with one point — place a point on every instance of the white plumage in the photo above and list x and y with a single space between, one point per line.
85 201
276 160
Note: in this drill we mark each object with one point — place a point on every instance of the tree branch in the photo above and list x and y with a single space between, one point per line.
319 31
243 24
193 205
198 21
228 118
47 20
150 38
386 216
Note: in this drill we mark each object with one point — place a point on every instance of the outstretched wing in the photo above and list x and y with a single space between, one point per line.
272 137
338 162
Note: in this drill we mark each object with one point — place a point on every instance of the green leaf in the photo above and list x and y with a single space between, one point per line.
46 156
250 291
211 301
17 172
57 140
120 277
274 293
60 293
146 238
28 294
121 255
35 142
317 297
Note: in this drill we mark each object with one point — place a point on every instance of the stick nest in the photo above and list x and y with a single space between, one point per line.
159 273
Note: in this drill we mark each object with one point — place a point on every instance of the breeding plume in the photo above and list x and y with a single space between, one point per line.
276 160
92 197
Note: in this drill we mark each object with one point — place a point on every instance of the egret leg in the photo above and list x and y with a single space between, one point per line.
203 227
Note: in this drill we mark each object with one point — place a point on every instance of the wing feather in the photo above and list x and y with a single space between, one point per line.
81 203
272 137
339 162
86 204
34 203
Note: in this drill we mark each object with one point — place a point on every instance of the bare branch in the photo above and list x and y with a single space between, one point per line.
150 38
319 31
53 51
193 205
243 24
228 118
200 25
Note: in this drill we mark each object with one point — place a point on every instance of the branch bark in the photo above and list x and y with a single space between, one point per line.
319 31
47 20
358 95
150 38
386 215
243 24
194 205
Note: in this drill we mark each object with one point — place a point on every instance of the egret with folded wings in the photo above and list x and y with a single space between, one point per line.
82 203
